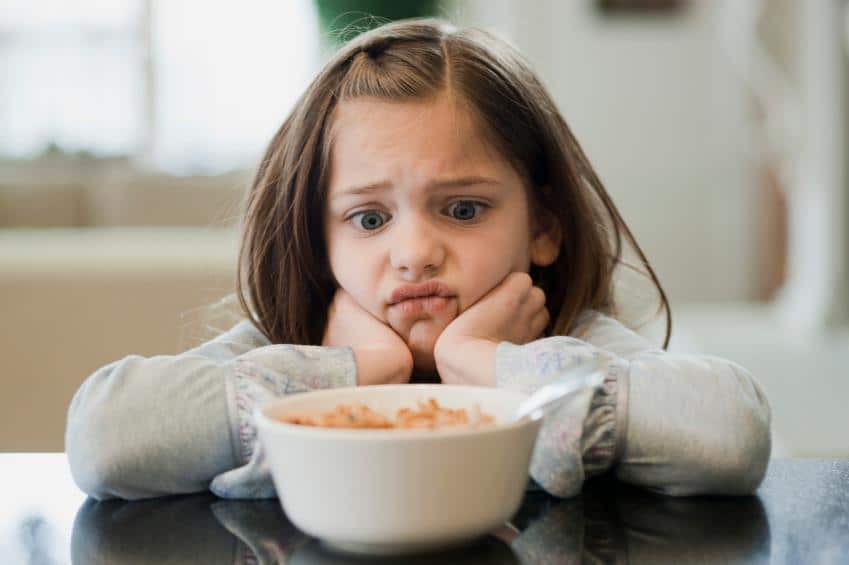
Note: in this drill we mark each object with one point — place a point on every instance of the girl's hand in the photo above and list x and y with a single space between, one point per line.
513 311
381 355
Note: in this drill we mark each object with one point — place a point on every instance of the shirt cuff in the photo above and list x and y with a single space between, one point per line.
601 441
586 436
273 371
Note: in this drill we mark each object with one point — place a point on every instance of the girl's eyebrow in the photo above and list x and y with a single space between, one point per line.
434 185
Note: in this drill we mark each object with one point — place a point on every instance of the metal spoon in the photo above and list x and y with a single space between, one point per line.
551 396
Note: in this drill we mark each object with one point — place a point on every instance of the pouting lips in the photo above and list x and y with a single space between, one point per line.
417 305
430 289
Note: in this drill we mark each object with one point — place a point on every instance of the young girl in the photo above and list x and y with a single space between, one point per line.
425 214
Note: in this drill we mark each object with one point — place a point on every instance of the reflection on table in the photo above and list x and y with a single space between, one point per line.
608 523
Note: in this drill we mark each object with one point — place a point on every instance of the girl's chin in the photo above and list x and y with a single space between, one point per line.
421 341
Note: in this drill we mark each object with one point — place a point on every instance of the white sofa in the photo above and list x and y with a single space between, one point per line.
72 300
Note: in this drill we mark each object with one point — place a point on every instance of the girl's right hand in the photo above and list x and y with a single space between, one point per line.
381 355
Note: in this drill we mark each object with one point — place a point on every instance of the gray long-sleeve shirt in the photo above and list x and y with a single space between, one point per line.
677 424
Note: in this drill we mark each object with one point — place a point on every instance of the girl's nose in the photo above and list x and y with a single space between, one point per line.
416 250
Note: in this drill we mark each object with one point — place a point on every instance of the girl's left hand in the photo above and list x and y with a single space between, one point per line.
513 311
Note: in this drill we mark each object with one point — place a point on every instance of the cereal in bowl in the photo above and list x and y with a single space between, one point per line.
429 415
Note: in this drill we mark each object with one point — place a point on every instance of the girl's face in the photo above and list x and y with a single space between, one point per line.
423 218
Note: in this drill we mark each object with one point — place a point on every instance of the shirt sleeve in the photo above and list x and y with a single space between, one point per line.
144 427
676 424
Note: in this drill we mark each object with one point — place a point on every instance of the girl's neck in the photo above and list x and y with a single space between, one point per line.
425 377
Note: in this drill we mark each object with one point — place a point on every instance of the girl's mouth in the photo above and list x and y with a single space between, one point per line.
422 304
432 297
422 290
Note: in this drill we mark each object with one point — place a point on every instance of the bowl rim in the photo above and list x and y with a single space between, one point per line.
383 434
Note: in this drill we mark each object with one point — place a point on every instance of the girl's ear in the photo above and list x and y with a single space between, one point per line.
547 237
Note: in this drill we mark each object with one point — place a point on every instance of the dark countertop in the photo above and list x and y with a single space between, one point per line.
799 515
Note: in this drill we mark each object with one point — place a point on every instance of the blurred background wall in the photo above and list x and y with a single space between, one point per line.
658 109
128 132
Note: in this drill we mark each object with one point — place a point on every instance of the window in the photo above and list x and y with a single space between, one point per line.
186 87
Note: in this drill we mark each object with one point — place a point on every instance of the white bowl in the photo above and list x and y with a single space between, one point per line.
398 491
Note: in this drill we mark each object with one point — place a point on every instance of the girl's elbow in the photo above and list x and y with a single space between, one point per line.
90 451
92 478
735 460
750 458
740 474
754 435
101 468
92 472
736 468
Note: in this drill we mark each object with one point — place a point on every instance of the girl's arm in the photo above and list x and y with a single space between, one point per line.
145 427
676 424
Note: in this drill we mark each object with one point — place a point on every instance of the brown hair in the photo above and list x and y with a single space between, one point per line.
285 285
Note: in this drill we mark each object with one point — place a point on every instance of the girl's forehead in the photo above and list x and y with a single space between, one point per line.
373 138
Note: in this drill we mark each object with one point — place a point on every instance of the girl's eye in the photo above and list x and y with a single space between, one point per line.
369 220
465 210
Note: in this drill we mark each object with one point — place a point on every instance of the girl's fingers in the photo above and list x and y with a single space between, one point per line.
530 296
522 280
533 303
536 298
525 306
538 324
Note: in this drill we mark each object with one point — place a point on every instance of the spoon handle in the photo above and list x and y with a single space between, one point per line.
551 396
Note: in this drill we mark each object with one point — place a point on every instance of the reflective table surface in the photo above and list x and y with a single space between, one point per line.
799 515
